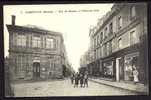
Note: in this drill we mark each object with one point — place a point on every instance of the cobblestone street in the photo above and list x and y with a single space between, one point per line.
65 88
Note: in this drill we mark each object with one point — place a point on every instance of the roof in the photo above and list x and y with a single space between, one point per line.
32 29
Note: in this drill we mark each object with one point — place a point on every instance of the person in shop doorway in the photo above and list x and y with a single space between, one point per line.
135 75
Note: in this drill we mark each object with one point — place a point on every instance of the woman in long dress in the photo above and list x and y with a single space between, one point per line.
135 75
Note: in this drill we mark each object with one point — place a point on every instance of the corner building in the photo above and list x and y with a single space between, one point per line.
35 53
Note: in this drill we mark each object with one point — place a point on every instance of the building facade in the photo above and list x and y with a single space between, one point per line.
119 42
36 53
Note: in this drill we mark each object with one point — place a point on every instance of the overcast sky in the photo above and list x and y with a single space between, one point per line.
72 20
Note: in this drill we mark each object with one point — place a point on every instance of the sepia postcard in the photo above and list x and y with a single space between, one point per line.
76 50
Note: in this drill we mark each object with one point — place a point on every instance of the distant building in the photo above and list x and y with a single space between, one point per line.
119 41
35 53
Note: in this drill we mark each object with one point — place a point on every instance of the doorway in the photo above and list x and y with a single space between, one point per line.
119 69
36 70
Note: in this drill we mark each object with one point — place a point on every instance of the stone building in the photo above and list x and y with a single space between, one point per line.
119 41
36 53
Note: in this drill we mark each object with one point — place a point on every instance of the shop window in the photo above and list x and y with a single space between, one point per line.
108 69
130 63
21 40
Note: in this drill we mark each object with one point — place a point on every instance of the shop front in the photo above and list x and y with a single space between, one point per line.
108 68
127 60
130 61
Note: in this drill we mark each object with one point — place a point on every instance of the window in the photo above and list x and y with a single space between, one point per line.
110 47
105 32
132 37
105 49
120 43
94 54
132 12
21 40
95 42
50 43
36 42
101 36
100 51
119 22
21 63
98 40
111 28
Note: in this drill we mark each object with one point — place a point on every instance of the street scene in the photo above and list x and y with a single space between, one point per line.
64 88
76 50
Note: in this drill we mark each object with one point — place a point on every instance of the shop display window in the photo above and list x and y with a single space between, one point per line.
129 64
108 69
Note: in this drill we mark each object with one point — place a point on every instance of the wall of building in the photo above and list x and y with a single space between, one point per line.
138 24
51 60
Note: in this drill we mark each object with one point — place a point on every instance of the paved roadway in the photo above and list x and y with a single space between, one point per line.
65 88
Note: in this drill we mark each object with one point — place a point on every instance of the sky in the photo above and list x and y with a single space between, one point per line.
72 20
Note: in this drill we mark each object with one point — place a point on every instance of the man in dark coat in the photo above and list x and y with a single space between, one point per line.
72 78
76 80
81 80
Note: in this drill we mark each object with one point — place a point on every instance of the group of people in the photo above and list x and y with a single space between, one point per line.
79 79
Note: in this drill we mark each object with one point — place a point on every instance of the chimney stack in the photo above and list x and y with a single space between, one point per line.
13 20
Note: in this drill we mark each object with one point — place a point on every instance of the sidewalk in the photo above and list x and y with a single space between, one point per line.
123 85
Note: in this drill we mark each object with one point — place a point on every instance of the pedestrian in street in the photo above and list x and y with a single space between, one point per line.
76 80
135 75
81 80
85 79
72 78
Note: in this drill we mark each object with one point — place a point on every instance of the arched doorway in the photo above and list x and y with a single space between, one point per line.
36 70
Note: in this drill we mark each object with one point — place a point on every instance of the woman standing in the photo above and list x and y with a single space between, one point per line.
135 75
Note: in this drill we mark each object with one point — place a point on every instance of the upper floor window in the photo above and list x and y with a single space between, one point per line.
101 36
36 42
95 42
120 43
105 49
119 22
132 37
105 33
21 40
111 28
133 11
98 40
110 47
50 43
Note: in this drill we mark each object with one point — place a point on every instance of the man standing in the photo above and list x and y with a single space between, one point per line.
86 79
81 80
76 80
72 78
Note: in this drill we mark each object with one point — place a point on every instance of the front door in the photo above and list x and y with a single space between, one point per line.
36 69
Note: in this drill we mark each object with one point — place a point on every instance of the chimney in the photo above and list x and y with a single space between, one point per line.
13 19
